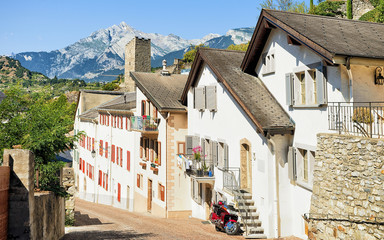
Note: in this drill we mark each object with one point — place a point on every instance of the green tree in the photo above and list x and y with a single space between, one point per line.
349 9
38 123
285 5
190 55
240 47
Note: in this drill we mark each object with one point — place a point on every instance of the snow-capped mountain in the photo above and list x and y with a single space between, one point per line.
102 52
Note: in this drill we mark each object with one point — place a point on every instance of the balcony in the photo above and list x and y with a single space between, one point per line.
144 124
202 171
364 119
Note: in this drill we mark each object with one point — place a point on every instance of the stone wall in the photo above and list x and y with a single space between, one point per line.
4 186
31 215
68 181
359 8
348 193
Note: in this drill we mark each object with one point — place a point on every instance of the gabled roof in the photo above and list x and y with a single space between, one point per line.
327 36
163 91
121 104
248 91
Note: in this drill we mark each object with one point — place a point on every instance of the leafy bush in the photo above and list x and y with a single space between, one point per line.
49 178
111 86
362 115
328 8
240 47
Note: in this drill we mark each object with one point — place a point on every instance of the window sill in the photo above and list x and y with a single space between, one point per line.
308 106
268 73
304 185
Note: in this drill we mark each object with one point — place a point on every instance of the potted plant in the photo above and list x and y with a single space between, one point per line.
197 158
205 169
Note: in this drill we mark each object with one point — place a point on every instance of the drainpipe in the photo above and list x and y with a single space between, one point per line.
94 185
166 159
110 154
350 78
277 188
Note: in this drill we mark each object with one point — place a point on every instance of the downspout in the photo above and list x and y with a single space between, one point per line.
166 162
110 153
95 188
350 78
277 188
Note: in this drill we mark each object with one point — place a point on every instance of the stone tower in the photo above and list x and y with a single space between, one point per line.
137 59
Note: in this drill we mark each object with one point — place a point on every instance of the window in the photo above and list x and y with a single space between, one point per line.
210 98
158 153
222 155
140 181
117 155
199 98
161 191
268 63
143 107
121 157
306 86
196 192
128 161
181 148
190 143
301 165
113 153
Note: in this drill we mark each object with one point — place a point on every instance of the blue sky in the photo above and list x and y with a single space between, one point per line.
45 25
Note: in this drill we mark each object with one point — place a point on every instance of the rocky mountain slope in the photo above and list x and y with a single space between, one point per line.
102 53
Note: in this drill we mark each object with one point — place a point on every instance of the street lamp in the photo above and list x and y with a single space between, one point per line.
379 79
93 153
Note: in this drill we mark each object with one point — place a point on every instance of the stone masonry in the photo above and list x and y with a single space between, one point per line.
348 192
137 59
69 185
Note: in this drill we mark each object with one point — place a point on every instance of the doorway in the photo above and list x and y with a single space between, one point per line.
128 192
208 200
149 202
245 165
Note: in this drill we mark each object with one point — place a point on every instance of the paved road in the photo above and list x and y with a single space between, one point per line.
96 221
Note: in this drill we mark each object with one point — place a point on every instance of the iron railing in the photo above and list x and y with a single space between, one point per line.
199 168
146 123
357 118
231 179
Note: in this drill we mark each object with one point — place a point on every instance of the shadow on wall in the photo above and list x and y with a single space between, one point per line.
106 235
85 220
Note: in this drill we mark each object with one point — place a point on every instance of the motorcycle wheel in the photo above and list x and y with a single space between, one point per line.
217 229
232 228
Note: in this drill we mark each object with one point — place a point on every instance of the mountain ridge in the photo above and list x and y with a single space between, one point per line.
103 51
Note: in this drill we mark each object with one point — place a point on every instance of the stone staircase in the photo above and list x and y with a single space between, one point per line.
249 217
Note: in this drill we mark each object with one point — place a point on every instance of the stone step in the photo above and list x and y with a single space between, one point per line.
246 202
244 195
252 222
255 236
244 208
256 230
254 215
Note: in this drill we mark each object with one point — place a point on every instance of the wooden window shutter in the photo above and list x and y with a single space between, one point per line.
101 148
289 88
202 145
138 180
121 157
106 182
117 155
126 123
214 153
226 157
162 195
100 177
121 122
195 141
189 145
80 164
128 161
199 97
147 149
93 144
159 152
106 149
141 147
292 163
296 91
113 153
100 117
321 86
143 107
210 96
118 192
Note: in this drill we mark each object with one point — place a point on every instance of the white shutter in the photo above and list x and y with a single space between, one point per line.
200 98
321 86
296 90
188 145
195 141
289 88
226 163
214 153
292 163
210 96
202 145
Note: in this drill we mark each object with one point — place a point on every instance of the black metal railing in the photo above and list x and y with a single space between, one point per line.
357 118
199 168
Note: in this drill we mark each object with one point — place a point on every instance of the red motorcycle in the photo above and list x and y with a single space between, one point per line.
224 218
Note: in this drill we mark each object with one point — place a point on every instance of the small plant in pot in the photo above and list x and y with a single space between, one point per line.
197 158
205 169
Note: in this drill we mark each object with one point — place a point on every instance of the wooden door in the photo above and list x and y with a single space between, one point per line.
128 190
149 203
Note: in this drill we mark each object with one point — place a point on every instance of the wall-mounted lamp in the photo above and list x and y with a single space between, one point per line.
379 79
93 154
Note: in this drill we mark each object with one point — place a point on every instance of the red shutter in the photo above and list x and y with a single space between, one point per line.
159 153
103 180
107 120
138 180
100 118
121 157
83 166
128 161
101 148
121 122
113 153
117 155
81 162
106 182
162 192
126 123
100 177
93 144
118 192
141 147
106 149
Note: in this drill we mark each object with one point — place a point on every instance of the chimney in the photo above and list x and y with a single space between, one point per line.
165 72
